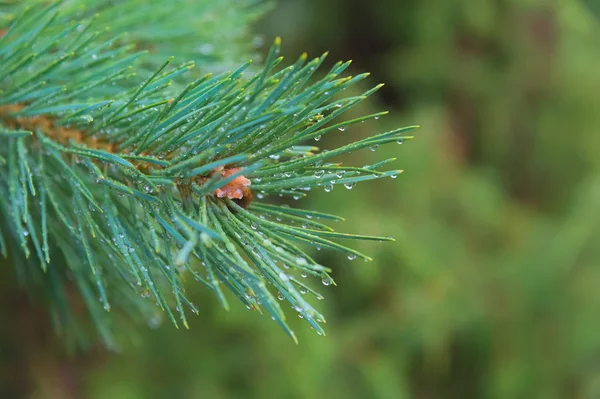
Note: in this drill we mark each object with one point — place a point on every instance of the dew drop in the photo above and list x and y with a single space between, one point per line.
374 147
328 187
349 186
342 128
317 138
284 277
351 256
300 261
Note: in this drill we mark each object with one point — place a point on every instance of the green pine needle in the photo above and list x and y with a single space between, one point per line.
118 181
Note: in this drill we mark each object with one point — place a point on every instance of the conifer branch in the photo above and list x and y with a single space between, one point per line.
117 185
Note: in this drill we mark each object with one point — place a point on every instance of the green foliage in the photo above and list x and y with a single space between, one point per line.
212 33
109 177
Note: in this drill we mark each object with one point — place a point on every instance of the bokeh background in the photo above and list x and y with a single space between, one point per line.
492 289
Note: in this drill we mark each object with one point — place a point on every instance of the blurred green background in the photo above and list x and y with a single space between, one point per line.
492 289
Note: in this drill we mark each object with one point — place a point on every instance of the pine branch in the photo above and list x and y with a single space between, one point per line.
212 33
117 187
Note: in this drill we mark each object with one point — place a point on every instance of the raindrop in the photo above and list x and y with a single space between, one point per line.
284 277
351 256
319 173
317 138
300 261
328 187
349 186
325 281
342 128
401 141
280 296
373 147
